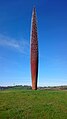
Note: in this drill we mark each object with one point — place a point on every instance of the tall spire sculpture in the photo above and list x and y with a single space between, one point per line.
34 51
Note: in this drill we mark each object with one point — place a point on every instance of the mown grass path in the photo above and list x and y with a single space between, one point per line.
28 104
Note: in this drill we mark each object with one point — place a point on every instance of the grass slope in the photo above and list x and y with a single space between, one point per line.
28 104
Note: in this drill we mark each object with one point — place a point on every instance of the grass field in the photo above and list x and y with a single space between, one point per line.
28 104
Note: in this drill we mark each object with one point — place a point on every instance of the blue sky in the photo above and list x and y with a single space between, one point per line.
15 24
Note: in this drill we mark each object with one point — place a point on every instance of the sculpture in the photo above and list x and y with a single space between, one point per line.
34 51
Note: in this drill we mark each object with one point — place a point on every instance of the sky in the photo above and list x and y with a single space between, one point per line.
15 27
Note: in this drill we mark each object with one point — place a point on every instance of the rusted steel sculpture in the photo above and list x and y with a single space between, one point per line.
34 51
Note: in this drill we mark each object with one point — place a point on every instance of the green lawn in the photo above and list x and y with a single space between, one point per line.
28 104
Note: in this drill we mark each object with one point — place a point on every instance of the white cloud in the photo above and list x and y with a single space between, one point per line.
19 45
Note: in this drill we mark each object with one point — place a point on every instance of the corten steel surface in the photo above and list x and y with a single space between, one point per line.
34 51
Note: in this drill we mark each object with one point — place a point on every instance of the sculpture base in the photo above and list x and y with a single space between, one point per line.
34 85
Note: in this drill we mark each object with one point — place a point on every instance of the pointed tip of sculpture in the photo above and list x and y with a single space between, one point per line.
34 9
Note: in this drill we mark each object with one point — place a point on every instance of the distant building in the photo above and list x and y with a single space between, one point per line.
34 51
